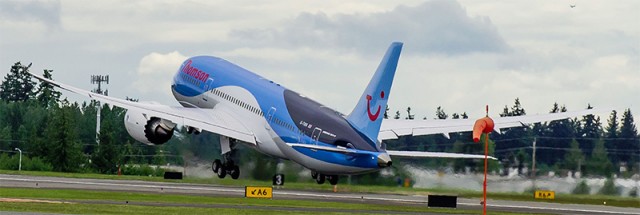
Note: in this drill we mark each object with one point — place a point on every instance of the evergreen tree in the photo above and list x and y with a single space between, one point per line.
386 112
17 85
109 153
574 159
440 114
629 142
599 163
590 131
455 116
516 137
444 143
609 188
409 115
86 126
611 133
561 133
47 96
516 110
397 116
582 188
35 121
5 138
65 152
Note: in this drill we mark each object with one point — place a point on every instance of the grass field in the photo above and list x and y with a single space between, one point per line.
560 198
108 202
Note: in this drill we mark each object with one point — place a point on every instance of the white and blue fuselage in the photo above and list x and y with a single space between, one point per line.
277 116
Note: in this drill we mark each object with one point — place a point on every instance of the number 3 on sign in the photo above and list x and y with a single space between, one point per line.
278 180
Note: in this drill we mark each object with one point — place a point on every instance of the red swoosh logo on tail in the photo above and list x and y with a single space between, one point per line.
372 117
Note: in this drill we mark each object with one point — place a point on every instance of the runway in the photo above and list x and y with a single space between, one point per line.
216 190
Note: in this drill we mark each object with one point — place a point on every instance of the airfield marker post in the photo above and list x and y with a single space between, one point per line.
19 162
484 185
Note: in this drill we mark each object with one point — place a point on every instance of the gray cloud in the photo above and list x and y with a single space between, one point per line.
440 27
46 12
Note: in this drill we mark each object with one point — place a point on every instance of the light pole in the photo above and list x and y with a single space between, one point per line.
20 163
98 79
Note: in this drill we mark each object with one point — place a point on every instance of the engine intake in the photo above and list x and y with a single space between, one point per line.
157 131
150 131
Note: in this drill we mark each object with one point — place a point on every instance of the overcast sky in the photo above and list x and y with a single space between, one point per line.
459 55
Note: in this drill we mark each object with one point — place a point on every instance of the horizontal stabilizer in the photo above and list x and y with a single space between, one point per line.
417 154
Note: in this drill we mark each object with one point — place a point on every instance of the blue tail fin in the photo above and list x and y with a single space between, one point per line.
368 113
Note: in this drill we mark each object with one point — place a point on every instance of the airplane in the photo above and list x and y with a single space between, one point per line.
242 107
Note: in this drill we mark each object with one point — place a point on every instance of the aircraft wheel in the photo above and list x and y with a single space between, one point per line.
333 179
314 174
216 165
222 172
320 178
235 172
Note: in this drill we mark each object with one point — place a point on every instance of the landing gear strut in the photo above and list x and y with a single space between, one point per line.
320 178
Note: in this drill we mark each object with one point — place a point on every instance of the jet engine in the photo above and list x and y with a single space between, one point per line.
148 130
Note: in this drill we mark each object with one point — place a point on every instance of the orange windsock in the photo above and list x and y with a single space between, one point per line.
484 125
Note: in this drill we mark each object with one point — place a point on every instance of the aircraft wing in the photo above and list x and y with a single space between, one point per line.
418 154
212 120
393 128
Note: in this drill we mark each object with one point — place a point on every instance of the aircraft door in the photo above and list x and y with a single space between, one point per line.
206 86
316 134
270 114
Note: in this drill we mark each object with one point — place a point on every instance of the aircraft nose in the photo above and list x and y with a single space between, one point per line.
384 160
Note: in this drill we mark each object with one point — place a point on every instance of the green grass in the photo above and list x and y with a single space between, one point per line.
54 194
560 198
110 208
81 175
133 209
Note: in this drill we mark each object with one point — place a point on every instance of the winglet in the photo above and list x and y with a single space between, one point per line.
368 113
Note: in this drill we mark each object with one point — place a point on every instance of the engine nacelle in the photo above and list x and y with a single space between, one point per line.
150 131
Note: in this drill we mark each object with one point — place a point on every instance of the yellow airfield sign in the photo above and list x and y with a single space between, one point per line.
258 192
544 194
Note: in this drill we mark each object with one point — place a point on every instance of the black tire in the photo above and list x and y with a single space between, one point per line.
222 172
216 165
235 172
333 179
320 178
314 174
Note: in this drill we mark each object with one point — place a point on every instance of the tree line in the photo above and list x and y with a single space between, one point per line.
581 144
60 135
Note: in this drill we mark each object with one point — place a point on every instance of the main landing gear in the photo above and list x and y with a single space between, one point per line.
320 178
222 168
228 167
